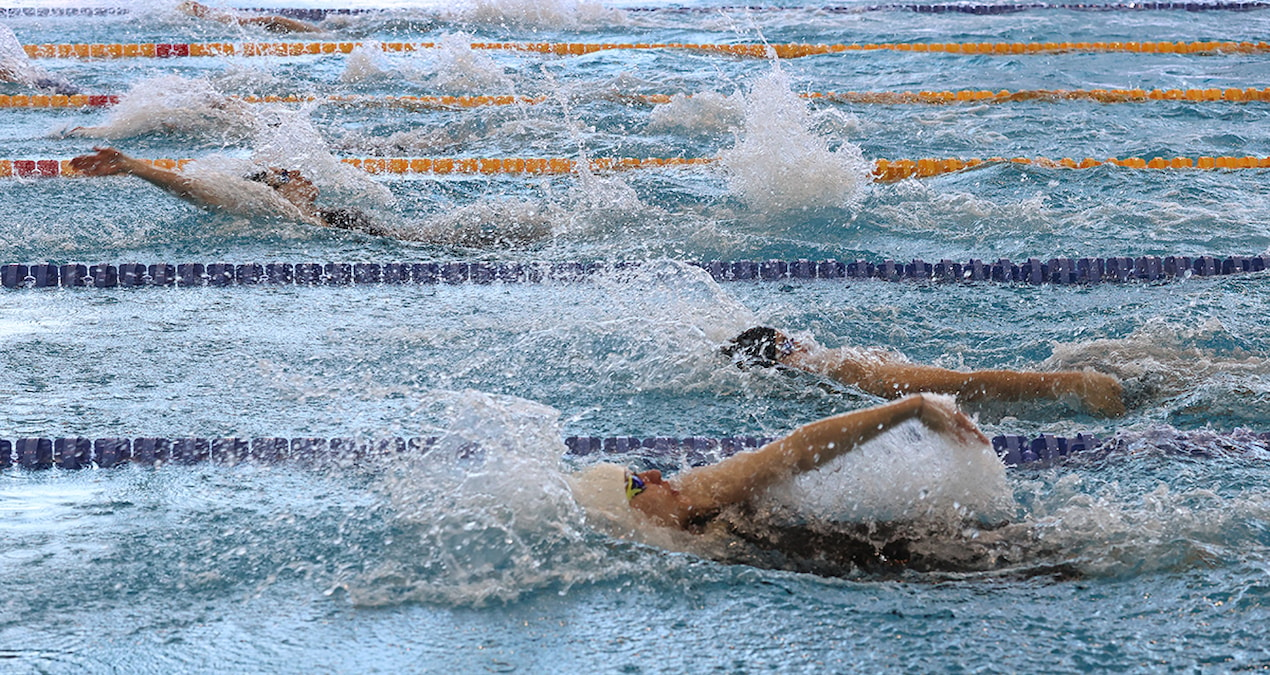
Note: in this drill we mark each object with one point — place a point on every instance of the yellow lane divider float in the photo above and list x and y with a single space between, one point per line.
884 170
868 97
420 102
784 51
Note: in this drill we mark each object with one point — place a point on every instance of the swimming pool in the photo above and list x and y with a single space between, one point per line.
1151 555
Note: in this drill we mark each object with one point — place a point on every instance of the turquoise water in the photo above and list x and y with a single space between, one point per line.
1152 556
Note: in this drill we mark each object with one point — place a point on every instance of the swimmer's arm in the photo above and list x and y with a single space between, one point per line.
111 162
279 24
273 24
1100 393
740 477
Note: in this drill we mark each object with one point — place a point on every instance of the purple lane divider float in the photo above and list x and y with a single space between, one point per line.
1062 271
82 453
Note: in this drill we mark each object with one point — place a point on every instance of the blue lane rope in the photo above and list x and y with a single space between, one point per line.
319 14
1033 271
83 453
970 8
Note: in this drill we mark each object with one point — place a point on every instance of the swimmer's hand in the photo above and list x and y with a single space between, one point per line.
1101 394
941 415
103 162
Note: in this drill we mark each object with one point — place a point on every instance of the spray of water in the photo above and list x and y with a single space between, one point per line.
452 68
365 62
545 14
16 66
703 112
290 140
779 164
171 104
1160 360
486 515
459 69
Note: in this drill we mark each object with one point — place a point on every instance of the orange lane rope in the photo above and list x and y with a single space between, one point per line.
884 170
867 97
784 51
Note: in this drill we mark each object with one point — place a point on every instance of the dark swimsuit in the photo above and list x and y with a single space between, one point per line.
353 220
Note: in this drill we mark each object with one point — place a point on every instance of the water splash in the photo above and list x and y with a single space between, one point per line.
171 104
780 165
459 69
486 515
703 112
544 14
290 140
453 67
365 62
1161 359
1119 522
489 223
16 66
908 474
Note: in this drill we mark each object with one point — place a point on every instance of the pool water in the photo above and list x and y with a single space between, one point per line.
1150 554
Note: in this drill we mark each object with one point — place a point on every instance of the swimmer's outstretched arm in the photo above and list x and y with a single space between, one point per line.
740 477
111 162
273 24
1100 393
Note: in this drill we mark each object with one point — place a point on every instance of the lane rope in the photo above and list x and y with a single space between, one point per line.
73 453
884 170
319 14
967 8
1062 271
1212 94
784 51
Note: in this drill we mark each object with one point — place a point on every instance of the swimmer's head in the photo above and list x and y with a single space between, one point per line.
291 185
759 346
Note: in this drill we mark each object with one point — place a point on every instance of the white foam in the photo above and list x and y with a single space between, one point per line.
779 164
505 223
548 14
703 112
1161 358
486 514
172 104
916 206
459 69
452 67
290 140
16 66
909 474
365 62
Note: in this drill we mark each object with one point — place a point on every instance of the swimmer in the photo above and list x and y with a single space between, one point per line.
271 23
889 376
693 498
294 197
291 186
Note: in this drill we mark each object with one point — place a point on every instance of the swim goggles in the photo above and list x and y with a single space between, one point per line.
786 348
273 177
634 485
